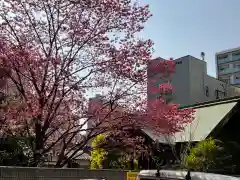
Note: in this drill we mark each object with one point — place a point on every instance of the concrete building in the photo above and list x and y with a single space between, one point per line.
191 83
228 66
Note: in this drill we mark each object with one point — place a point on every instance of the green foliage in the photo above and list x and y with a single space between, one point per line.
203 156
119 160
108 159
98 154
214 156
16 146
12 153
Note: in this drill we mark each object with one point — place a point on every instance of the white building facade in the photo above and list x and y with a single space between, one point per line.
228 66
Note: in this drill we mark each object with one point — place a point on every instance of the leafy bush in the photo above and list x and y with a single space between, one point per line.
112 158
203 156
12 153
98 154
119 160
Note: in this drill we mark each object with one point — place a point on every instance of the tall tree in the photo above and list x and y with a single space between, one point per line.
59 51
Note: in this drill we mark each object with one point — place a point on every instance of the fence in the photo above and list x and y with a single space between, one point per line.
22 173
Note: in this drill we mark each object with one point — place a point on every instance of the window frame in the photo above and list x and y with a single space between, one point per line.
217 94
207 91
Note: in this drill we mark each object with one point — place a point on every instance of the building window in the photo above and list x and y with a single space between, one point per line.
220 94
179 62
206 91
217 94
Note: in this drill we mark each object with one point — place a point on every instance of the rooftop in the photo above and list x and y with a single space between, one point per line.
228 51
212 103
175 59
208 117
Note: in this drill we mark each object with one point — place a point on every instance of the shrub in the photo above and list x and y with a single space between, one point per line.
110 158
202 157
97 154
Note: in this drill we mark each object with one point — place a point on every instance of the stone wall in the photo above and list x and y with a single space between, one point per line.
22 173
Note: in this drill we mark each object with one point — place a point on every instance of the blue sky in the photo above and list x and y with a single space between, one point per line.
188 27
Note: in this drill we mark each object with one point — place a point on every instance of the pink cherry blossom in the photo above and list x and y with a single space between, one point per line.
58 52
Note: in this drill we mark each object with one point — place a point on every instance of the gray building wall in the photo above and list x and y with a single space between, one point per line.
181 81
179 86
196 73
220 86
191 83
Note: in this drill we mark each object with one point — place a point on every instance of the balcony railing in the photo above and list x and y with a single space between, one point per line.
229 71
236 57
236 81
224 60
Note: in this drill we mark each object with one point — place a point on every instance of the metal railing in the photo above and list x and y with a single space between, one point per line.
224 60
229 71
228 59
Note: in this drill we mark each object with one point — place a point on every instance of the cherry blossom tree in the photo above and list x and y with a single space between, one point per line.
58 52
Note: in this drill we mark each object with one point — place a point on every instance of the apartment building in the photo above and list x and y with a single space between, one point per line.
228 66
191 83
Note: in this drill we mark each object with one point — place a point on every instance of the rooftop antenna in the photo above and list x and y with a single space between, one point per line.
203 56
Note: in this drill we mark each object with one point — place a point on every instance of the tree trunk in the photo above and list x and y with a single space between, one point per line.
132 163
38 143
